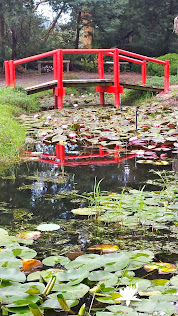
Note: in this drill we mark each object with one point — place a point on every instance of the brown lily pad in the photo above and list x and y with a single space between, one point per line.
30 265
29 235
103 248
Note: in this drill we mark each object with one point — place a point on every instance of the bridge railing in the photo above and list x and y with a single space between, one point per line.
115 53
142 60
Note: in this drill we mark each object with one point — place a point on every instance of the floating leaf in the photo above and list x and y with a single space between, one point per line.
30 265
99 275
74 255
73 275
52 260
29 235
48 227
104 248
86 211
12 274
46 274
162 267
174 280
24 252
3 232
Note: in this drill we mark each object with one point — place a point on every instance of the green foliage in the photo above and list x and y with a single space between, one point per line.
90 64
17 100
135 97
159 81
12 134
109 278
155 69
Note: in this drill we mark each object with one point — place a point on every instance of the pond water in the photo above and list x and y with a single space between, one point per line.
36 192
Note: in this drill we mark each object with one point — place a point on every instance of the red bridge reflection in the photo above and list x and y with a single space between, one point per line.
104 156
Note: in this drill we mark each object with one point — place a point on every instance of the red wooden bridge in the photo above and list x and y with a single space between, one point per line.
102 84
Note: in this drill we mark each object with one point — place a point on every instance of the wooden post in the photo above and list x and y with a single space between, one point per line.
101 75
59 77
7 72
12 73
144 72
60 152
101 151
166 76
116 77
116 153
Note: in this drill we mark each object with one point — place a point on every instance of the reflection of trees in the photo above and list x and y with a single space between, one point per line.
126 173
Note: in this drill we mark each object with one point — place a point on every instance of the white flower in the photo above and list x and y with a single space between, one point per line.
127 294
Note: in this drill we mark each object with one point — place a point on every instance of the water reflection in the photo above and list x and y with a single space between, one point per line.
89 156
44 188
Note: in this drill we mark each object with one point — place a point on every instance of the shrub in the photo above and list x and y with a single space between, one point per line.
155 69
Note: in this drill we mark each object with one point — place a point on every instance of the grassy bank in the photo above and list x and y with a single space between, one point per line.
13 102
136 97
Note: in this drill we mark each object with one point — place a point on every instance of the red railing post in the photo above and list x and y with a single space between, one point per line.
116 153
116 77
101 151
166 76
55 78
60 152
12 73
144 72
7 72
59 91
101 75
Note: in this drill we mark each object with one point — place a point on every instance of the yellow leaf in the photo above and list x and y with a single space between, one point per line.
103 248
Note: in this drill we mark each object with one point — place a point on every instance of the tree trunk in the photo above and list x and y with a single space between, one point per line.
78 30
53 24
14 43
2 34
169 28
87 29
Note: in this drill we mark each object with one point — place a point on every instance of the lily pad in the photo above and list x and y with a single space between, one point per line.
104 248
29 235
48 227
162 267
86 211
31 265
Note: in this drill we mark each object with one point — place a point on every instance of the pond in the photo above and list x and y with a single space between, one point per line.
46 191
90 182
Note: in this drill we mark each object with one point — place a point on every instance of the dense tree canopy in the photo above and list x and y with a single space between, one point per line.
143 26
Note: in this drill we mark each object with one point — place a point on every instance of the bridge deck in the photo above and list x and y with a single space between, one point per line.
89 83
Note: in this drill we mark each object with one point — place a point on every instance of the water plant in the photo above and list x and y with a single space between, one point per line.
110 280
134 208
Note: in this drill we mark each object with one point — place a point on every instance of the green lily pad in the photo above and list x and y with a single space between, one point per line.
48 227
12 274
52 260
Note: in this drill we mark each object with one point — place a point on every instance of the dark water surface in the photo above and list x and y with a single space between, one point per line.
27 198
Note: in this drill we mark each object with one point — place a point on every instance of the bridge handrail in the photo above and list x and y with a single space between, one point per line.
115 53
